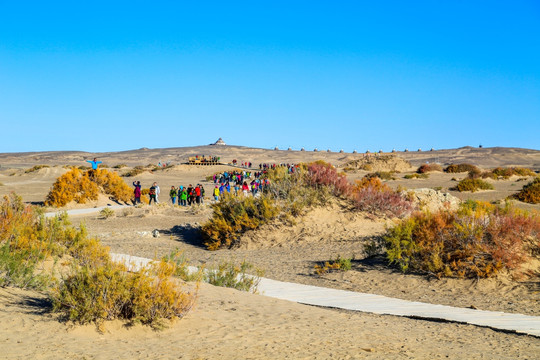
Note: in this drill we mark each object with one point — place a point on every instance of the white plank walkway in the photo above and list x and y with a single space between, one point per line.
378 304
84 211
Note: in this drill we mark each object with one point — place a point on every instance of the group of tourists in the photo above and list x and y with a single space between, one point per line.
185 196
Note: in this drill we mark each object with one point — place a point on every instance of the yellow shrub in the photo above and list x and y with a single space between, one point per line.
81 186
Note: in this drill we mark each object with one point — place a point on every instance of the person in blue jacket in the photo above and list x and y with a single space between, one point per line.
95 164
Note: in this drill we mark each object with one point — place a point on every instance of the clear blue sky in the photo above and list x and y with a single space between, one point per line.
107 76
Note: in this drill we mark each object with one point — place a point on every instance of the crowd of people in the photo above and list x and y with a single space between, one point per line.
238 182
181 195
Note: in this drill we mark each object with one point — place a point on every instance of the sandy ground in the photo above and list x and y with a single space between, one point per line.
230 324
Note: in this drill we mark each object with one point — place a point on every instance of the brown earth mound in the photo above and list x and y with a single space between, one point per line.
335 222
379 163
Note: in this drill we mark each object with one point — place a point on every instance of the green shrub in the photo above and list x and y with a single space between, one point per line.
230 275
106 213
473 185
530 192
476 241
341 264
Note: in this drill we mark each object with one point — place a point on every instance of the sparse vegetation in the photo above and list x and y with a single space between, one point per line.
228 274
416 176
428 168
461 168
137 170
340 263
383 175
35 168
505 173
530 192
93 289
106 213
470 184
478 240
288 196
119 166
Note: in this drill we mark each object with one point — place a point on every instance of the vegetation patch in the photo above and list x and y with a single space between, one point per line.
530 192
478 240
82 186
230 275
383 175
461 168
35 168
289 195
339 264
470 184
416 176
505 173
424 168
94 288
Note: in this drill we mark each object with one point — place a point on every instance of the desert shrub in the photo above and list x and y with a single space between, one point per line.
372 196
383 175
530 192
228 274
35 168
137 170
119 166
460 168
103 166
106 213
1 184
506 173
27 239
340 263
95 293
470 184
232 216
416 176
80 187
478 240
320 174
428 167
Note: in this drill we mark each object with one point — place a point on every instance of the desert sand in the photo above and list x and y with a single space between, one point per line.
230 324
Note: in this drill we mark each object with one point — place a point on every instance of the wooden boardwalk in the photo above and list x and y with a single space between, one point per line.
378 304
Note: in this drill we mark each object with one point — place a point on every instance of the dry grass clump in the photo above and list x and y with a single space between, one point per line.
35 168
339 264
478 240
471 184
461 168
530 192
137 170
383 175
416 176
424 168
228 274
82 186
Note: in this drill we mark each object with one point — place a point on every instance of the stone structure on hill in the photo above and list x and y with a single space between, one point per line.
219 142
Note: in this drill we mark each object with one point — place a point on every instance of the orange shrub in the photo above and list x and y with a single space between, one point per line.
476 241
81 186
